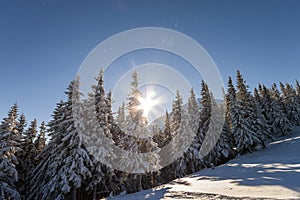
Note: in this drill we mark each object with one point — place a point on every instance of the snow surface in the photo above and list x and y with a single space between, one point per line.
272 173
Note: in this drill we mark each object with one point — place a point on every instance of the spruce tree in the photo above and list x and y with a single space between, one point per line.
21 124
176 113
121 116
163 137
194 161
265 105
9 146
41 173
221 137
180 137
242 114
205 118
280 123
137 139
230 102
99 115
27 158
40 141
63 173
119 125
289 99
259 122
181 141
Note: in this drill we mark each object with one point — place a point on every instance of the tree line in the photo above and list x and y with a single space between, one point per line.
65 168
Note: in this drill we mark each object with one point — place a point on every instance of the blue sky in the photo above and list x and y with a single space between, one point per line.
43 43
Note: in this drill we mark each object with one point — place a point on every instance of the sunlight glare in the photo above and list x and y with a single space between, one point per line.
148 103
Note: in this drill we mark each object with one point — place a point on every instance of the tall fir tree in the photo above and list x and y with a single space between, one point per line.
40 174
205 118
193 158
242 114
163 137
99 115
137 139
176 112
265 104
289 99
280 123
181 135
27 158
259 121
68 165
181 141
21 124
221 137
9 145
121 116
230 102
40 141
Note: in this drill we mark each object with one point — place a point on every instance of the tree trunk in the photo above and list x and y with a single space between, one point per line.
2 194
74 193
139 176
94 193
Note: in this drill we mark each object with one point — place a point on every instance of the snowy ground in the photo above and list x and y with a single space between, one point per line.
272 173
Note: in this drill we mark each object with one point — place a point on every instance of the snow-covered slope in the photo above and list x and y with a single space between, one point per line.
270 173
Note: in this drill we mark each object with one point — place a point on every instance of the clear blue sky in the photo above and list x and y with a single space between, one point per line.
42 43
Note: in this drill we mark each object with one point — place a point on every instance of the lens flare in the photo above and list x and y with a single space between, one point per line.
147 103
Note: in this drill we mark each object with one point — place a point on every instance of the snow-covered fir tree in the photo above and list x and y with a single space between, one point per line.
280 123
163 137
68 165
259 121
266 105
174 169
21 124
241 116
180 146
205 117
193 112
182 138
289 99
171 171
99 126
27 157
230 102
40 141
137 139
176 112
39 175
178 123
220 136
9 145
121 116
256 96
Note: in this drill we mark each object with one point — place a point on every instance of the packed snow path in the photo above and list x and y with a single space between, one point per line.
272 173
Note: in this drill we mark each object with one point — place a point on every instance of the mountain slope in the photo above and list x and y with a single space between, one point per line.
270 173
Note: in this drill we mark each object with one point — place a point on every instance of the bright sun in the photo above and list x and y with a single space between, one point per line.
147 103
